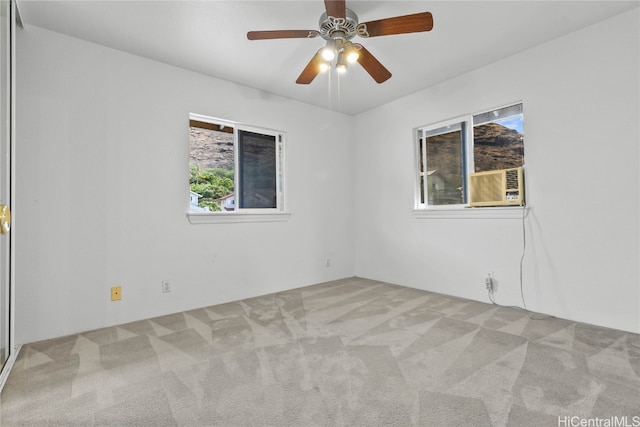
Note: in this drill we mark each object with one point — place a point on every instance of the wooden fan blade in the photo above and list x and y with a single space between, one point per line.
414 23
336 8
281 34
311 70
372 66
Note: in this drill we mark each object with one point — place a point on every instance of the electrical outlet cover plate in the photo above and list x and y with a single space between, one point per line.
166 286
116 293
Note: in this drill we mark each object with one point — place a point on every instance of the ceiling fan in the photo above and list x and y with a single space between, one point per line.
338 25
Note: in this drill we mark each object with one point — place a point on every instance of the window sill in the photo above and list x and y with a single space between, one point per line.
503 212
235 217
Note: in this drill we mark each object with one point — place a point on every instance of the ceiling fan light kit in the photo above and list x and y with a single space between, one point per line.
329 51
338 25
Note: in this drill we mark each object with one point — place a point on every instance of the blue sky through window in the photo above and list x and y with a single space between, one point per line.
514 122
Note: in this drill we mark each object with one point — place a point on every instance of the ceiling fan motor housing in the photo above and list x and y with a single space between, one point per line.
332 28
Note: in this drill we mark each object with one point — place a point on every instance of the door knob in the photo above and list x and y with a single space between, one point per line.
5 219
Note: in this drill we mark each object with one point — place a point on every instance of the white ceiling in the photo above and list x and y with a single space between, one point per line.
210 37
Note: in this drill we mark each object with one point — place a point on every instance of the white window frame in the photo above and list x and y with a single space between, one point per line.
466 151
462 210
277 214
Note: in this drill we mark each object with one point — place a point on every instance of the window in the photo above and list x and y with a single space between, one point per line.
449 151
233 167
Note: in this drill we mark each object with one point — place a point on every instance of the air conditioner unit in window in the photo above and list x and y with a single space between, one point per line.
504 187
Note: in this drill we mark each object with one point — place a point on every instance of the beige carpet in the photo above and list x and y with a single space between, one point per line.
353 352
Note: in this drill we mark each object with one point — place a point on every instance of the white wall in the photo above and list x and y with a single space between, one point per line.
581 101
102 191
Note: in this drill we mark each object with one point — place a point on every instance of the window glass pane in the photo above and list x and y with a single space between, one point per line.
445 167
257 170
498 139
421 163
211 167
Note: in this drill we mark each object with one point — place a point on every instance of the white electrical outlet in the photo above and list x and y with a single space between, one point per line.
328 263
166 286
